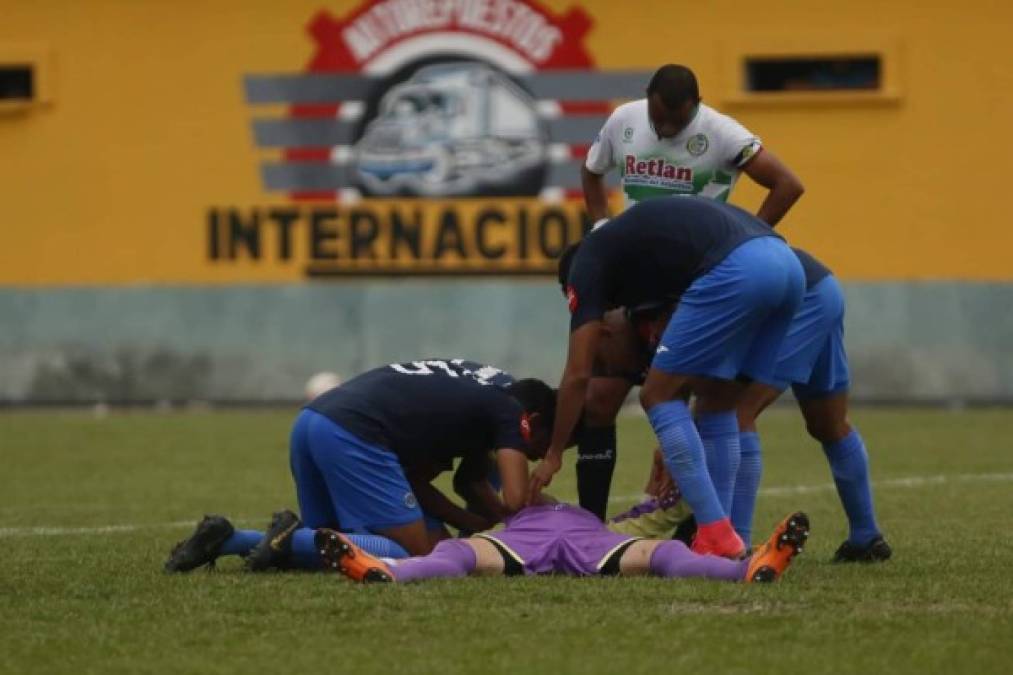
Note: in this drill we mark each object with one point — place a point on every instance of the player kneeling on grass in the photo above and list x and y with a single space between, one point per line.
565 539
354 448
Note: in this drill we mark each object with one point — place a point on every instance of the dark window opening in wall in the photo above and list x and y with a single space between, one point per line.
841 73
16 83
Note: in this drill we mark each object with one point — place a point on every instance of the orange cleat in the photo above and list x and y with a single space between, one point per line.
341 555
771 560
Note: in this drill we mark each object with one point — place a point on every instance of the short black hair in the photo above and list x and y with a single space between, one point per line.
535 397
675 85
565 262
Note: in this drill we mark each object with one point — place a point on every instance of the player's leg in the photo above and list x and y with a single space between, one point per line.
451 558
215 536
722 321
596 445
673 559
683 451
367 486
753 402
823 401
826 421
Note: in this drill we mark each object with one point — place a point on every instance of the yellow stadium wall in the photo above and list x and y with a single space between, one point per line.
146 129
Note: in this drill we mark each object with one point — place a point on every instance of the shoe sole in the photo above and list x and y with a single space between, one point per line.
795 535
334 550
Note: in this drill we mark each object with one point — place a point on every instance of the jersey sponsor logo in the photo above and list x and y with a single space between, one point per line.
571 299
658 169
697 145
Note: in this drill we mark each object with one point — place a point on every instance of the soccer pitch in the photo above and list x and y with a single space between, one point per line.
91 506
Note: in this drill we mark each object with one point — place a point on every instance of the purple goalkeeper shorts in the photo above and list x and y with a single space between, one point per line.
560 539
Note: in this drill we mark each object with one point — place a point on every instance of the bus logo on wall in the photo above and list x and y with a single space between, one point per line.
435 137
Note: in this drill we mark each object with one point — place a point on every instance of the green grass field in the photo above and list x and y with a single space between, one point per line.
91 506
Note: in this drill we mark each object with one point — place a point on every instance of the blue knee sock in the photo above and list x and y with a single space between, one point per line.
382 547
684 457
305 555
241 542
747 484
304 550
720 435
849 463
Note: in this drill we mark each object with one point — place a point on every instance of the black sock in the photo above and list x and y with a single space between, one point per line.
596 460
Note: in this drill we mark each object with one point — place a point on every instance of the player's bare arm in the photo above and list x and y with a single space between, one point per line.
436 504
595 194
570 400
784 186
472 485
513 471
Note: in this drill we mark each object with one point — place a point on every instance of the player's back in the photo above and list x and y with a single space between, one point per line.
430 410
656 248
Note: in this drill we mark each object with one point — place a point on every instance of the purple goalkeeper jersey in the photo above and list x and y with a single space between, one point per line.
558 538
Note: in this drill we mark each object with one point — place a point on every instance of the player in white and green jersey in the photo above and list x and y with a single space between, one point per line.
670 143
666 144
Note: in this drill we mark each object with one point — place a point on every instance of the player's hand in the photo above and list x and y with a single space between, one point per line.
542 475
660 483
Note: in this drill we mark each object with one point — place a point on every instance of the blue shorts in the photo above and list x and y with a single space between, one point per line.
342 481
812 357
732 320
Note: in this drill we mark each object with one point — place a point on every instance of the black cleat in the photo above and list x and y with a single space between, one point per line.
200 548
876 550
275 549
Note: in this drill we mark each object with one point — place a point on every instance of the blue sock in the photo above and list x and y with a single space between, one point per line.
747 484
849 463
683 452
241 542
304 549
720 435
381 547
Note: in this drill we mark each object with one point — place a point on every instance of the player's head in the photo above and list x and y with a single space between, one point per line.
539 403
672 99
565 262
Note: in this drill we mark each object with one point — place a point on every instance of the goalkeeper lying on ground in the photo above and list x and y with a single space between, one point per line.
565 539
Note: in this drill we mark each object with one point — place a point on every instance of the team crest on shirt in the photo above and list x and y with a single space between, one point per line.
627 134
571 299
410 501
697 145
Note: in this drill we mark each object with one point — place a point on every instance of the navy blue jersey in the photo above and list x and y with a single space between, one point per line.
428 411
653 251
815 271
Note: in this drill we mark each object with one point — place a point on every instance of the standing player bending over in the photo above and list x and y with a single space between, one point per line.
739 285
666 144
352 447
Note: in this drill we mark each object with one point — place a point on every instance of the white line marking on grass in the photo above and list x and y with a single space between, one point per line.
104 529
781 491
908 482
